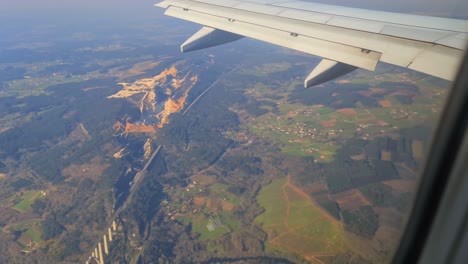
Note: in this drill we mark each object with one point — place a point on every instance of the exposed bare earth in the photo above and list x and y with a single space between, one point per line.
119 154
343 81
133 128
386 155
227 206
204 201
347 111
385 103
174 83
291 114
199 201
147 149
145 85
329 123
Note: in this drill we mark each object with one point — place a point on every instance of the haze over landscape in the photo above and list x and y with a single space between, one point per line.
113 144
449 8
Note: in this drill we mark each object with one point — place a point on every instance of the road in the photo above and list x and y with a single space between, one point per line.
136 183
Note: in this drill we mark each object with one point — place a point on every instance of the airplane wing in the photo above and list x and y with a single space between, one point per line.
346 38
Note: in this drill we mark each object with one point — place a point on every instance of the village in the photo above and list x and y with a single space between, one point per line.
199 203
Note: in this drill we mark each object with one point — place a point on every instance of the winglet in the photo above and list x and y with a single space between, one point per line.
327 70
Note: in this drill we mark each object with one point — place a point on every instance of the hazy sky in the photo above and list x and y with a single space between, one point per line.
4 4
454 7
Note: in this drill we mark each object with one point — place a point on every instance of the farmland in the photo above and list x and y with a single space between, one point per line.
316 121
207 206
295 223
27 199
31 231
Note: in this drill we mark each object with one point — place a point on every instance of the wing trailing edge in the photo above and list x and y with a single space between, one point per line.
346 38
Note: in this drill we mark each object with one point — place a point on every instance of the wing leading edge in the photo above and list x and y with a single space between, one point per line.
346 38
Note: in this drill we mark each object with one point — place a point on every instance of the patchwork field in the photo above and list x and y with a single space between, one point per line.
212 212
199 223
314 121
26 200
33 231
295 223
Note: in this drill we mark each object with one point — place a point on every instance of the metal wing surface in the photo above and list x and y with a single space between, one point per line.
346 38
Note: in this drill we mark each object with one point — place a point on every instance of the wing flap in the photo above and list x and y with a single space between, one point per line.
352 36
379 16
273 16
326 49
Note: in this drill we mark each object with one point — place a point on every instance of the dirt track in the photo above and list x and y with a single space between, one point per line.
275 241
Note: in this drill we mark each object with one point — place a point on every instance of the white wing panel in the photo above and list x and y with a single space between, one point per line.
397 51
437 61
379 16
357 24
227 3
258 8
352 36
457 41
415 34
333 51
305 16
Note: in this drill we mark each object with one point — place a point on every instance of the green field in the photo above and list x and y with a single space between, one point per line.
27 200
199 226
218 193
200 221
294 223
221 190
296 134
31 230
319 130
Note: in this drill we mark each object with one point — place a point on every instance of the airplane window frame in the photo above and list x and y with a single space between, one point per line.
440 185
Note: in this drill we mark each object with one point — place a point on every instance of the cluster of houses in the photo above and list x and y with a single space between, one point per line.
183 203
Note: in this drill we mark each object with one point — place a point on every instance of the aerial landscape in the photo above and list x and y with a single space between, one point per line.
115 145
